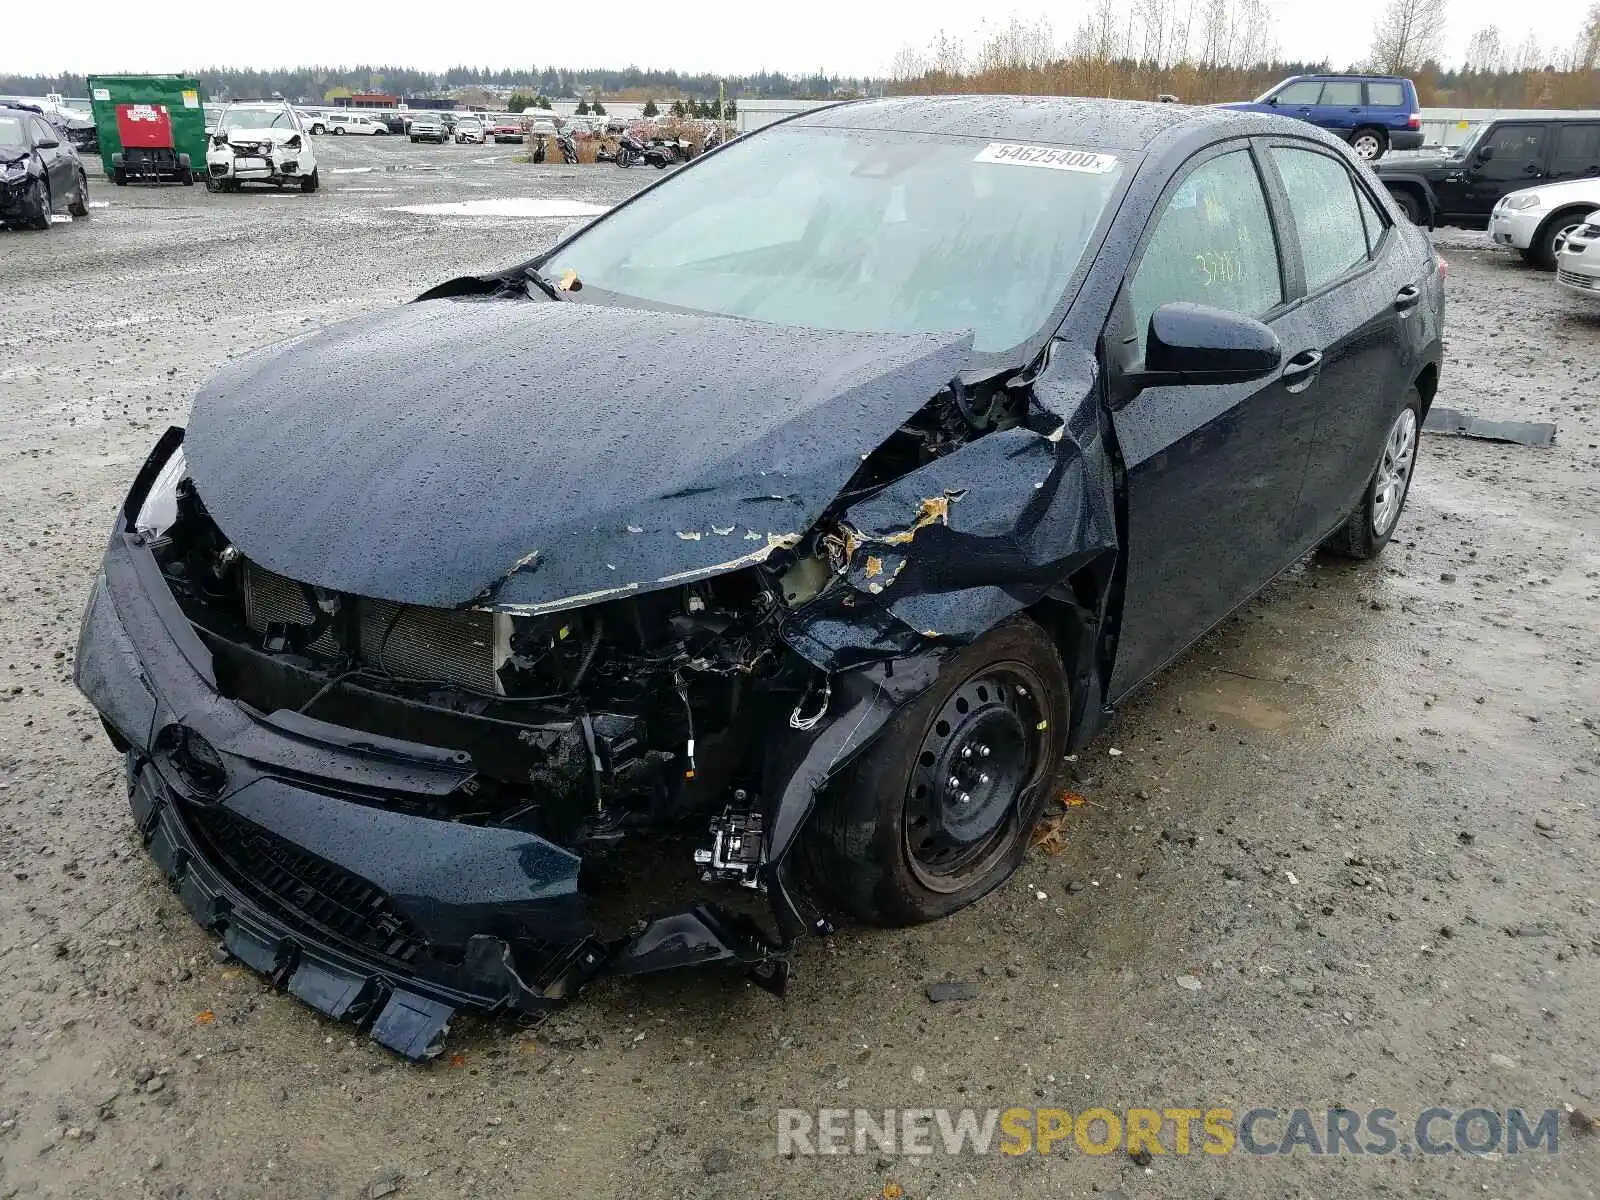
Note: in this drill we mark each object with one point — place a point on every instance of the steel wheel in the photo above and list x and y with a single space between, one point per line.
978 755
1394 472
1367 145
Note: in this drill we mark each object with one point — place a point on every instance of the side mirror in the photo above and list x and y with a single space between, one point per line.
1197 344
1485 153
47 144
1272 100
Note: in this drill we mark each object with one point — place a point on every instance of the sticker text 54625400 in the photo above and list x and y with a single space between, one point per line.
1055 158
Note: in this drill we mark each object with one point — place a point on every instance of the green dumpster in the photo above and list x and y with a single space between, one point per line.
152 128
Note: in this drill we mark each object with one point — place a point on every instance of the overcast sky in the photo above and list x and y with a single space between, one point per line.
846 37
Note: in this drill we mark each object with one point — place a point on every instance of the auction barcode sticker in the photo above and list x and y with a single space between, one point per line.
1054 157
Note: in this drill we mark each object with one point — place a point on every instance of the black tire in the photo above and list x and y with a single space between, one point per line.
39 207
213 185
186 177
1410 204
1369 528
79 206
1545 246
119 176
318 130
869 847
1369 143
338 131
310 183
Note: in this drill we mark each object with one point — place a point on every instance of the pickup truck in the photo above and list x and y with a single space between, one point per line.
429 127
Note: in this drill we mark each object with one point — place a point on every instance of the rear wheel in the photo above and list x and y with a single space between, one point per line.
1369 144
338 131
938 812
1372 524
1410 204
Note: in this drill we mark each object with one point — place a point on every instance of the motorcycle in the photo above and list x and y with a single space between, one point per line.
539 150
664 152
569 148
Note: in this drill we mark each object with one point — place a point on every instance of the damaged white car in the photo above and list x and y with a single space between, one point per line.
260 143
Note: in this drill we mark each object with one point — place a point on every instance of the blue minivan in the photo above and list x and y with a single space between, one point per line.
1374 113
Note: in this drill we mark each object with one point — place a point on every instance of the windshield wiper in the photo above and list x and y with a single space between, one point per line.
545 284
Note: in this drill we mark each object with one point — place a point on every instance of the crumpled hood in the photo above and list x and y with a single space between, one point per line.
538 455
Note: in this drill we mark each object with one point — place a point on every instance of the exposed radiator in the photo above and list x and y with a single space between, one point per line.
460 646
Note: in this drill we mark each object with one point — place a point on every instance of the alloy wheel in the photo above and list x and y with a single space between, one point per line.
1394 472
1367 146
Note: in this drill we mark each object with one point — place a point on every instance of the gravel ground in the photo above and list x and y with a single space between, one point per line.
1358 821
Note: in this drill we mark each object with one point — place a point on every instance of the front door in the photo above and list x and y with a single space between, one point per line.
1213 472
1517 160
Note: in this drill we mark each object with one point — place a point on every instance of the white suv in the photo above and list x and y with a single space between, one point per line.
259 143
1538 220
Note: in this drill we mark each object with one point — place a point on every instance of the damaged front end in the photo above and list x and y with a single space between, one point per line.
400 792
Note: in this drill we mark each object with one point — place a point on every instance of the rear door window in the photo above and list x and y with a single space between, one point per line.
1577 149
1213 244
1373 219
1322 197
1386 95
1345 92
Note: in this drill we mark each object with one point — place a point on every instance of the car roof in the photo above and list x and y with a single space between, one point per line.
1099 124
1350 75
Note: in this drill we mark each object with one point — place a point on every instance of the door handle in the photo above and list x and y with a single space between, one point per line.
1406 298
1301 371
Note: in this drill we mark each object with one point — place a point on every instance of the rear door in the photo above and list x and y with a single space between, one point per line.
1386 104
1577 150
1213 472
1361 286
1338 109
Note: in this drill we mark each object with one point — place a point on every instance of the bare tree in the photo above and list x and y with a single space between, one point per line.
947 55
1484 52
1589 40
1018 45
1529 56
1408 34
909 63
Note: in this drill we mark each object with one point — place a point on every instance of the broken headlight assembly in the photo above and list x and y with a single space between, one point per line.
159 512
